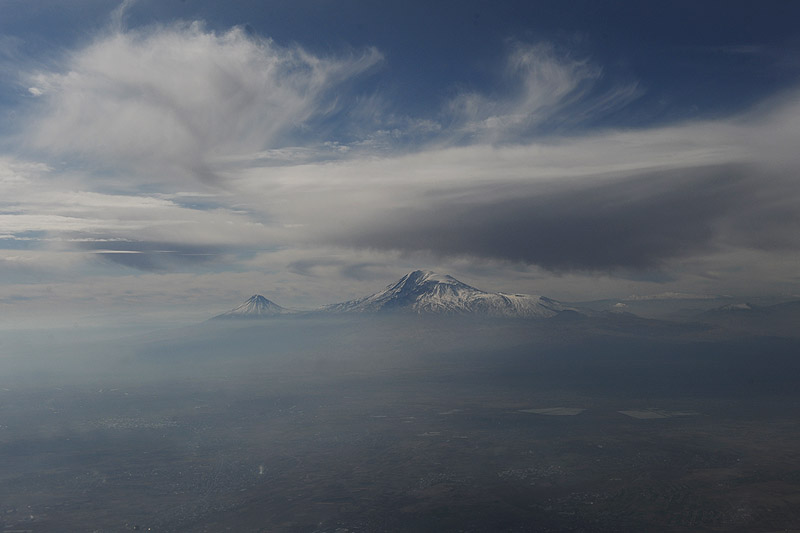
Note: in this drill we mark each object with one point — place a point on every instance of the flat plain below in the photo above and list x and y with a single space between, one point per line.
368 426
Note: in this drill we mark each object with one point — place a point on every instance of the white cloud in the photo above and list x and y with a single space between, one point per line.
171 100
75 216
330 190
14 172
49 212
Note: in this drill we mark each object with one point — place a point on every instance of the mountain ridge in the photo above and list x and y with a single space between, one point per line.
421 292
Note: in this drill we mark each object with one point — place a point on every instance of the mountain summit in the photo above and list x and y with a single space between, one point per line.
423 291
255 307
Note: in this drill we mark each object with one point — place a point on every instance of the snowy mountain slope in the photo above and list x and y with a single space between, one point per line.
255 307
424 291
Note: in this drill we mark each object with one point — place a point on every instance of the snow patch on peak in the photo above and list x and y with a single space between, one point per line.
425 276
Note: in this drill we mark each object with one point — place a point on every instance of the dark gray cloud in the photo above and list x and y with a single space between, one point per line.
634 223
307 267
362 271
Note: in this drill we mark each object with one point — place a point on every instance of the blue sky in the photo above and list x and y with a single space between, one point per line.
167 159
692 57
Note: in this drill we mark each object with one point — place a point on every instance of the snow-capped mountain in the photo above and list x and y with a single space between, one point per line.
424 291
255 307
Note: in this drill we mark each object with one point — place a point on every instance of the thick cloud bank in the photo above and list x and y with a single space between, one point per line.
634 223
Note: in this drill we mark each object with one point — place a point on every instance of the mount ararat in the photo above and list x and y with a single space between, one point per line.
426 293
422 292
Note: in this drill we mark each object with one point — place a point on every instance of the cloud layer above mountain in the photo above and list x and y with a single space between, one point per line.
175 148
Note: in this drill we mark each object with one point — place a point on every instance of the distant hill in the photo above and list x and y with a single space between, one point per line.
780 319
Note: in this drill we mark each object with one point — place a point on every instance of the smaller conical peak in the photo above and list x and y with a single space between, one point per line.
255 306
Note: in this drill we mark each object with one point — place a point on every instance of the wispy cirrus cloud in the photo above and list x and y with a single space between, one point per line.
544 90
